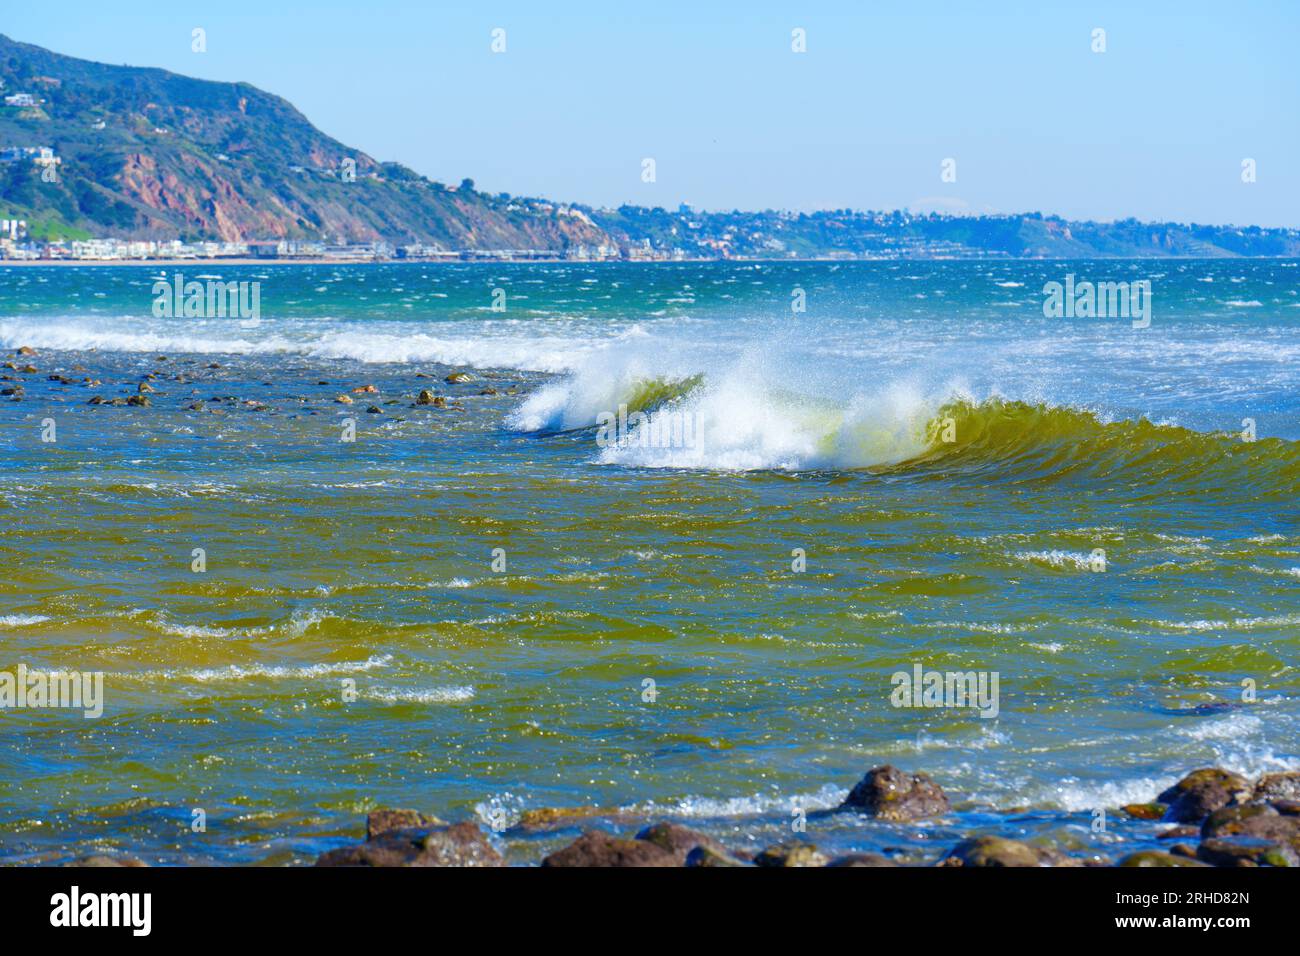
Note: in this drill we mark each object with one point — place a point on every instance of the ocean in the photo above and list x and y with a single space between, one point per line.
664 553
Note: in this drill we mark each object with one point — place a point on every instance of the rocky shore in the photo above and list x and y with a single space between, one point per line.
1212 817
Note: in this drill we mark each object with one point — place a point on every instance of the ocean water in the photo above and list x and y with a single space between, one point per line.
461 609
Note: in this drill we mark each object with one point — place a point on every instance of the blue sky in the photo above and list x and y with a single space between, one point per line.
1156 127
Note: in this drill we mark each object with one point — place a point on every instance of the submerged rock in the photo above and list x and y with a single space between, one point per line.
892 794
862 859
1202 792
595 848
992 851
104 860
1156 858
791 854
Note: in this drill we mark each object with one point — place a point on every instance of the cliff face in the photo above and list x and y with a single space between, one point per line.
150 154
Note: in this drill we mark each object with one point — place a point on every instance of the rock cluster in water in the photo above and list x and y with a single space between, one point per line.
1217 818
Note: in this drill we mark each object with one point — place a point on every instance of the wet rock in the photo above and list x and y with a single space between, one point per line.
488 391
96 400
862 859
791 854
1187 850
1277 786
679 840
459 845
144 387
1145 811
1156 858
1256 820
594 848
218 365
25 350
1246 851
1290 808
29 370
1180 832
140 401
374 410
992 851
382 822
1202 792
891 794
343 399
706 856
458 377
427 397
61 379
365 390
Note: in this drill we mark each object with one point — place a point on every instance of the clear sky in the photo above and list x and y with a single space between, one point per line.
1156 127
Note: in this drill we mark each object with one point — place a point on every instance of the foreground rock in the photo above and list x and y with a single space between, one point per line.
791 854
679 840
992 851
595 848
1147 858
460 845
1201 792
892 794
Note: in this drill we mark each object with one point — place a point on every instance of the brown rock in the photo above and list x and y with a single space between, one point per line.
594 848
678 840
891 794
993 851
791 854
25 350
1202 792
706 856
1145 811
1257 820
1246 851
459 845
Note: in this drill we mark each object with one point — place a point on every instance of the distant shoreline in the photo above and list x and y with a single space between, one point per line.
243 261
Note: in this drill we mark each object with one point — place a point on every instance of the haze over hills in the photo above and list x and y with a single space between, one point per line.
145 153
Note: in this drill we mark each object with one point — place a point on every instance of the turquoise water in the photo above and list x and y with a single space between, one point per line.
487 691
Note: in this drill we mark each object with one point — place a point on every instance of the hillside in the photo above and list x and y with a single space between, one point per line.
150 154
